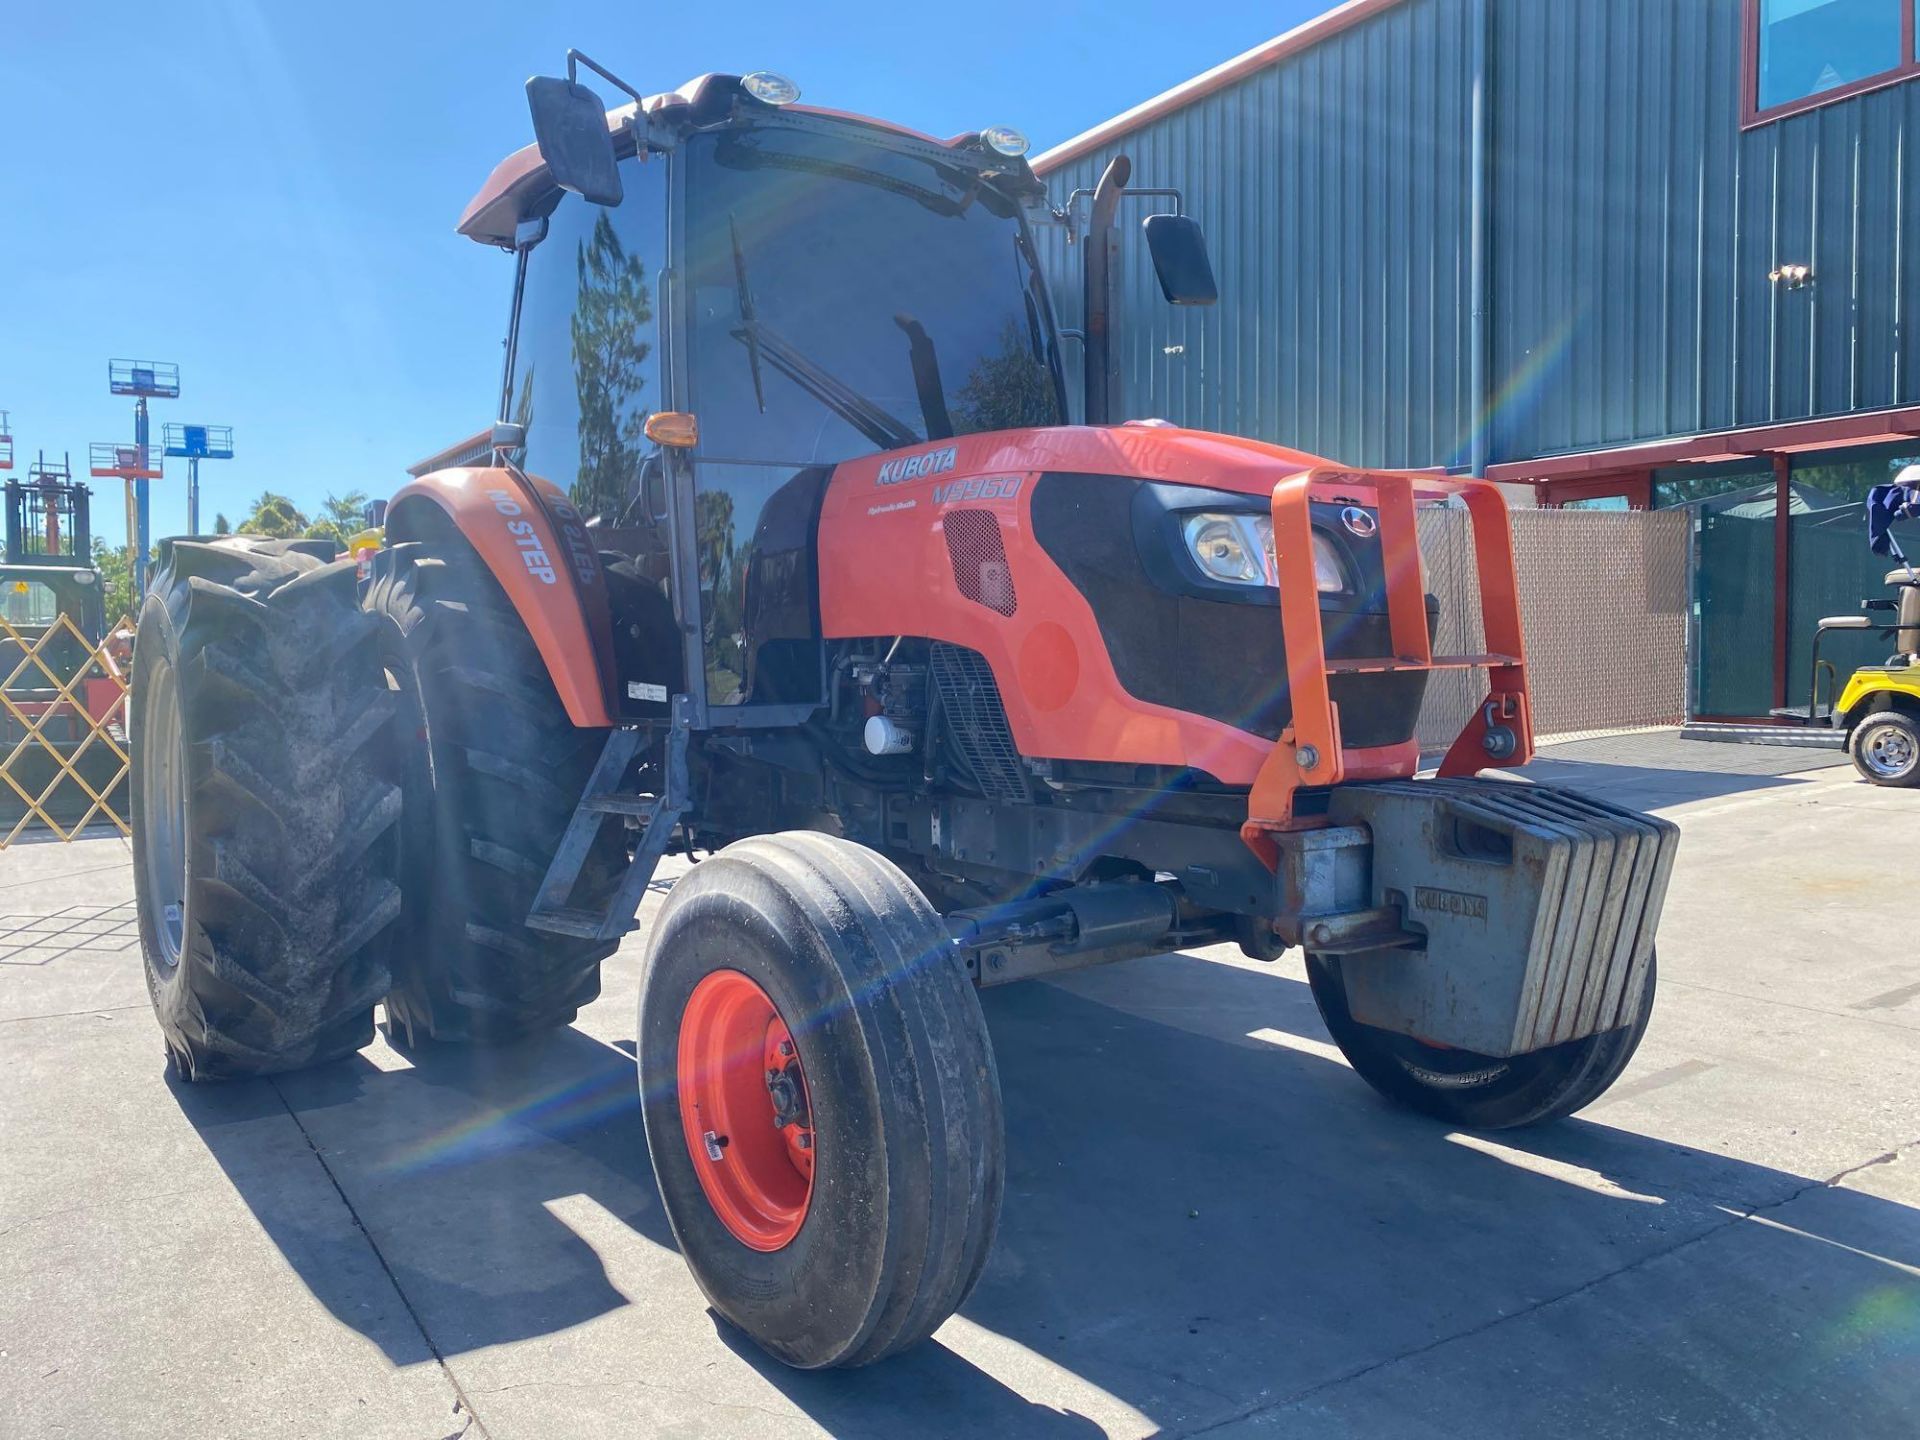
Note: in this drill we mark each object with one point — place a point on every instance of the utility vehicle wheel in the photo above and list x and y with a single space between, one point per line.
1478 1092
266 807
1886 749
491 782
820 1098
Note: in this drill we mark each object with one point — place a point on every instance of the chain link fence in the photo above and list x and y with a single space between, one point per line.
1603 602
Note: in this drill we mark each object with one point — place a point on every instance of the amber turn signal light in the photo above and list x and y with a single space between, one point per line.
673 428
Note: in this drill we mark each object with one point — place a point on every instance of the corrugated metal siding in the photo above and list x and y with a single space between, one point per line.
1632 230
1635 223
1333 188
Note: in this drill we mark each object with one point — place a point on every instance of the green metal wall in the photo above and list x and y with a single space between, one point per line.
1333 190
1631 228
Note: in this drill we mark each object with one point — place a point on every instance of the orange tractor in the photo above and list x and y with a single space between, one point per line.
784 549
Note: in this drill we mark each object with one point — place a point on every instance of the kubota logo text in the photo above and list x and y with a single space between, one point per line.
1449 902
913 467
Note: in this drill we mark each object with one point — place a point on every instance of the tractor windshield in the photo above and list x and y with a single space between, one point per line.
848 297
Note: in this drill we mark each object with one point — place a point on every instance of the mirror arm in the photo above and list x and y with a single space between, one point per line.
1165 192
574 57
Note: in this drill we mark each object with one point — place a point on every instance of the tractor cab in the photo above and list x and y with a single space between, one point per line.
742 295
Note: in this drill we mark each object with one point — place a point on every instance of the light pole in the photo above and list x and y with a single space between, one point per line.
195 443
144 380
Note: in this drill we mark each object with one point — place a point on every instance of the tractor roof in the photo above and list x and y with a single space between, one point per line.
521 178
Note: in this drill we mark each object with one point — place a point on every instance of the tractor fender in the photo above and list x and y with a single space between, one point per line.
536 545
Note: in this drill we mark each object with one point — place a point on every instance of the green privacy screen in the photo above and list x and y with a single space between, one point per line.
1733 585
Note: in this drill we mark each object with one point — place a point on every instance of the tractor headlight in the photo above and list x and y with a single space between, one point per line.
1239 550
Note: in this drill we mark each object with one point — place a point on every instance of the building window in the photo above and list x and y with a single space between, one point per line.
1802 53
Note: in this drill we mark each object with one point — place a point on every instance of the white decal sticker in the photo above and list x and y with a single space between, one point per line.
915 467
636 690
890 508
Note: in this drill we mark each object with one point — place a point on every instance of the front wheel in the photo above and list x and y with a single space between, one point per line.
1886 749
1477 1092
820 1099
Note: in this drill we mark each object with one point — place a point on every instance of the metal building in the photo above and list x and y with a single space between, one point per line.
1635 252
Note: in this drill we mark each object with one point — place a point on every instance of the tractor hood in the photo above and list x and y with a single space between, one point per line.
1139 449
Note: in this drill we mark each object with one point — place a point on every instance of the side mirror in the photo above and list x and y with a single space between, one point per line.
570 127
1180 260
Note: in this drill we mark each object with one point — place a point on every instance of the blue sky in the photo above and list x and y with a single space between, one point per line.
265 191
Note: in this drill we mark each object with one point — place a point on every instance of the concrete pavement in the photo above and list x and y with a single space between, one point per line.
1211 1225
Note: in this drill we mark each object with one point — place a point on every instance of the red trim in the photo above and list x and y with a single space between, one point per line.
1750 113
1301 37
1867 428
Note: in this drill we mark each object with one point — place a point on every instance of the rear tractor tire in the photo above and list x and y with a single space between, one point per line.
1477 1092
266 807
492 776
820 1098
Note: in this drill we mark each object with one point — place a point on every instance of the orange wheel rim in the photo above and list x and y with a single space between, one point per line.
746 1111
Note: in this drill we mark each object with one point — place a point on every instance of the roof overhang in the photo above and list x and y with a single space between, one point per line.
1872 427
1301 37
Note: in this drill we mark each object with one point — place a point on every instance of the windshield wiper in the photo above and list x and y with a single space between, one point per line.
882 428
744 297
878 425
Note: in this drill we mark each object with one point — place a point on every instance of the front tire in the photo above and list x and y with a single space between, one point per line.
1477 1092
1886 749
265 808
860 1242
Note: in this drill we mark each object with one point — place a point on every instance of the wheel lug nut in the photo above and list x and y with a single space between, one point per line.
786 1049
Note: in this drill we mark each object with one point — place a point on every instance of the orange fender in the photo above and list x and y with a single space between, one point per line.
537 546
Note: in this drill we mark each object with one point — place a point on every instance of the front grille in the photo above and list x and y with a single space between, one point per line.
976 723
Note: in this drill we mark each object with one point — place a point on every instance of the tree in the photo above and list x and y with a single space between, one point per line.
116 578
1008 389
344 518
276 517
222 525
611 320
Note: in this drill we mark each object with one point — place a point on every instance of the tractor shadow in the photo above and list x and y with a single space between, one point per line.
451 1162
1197 1223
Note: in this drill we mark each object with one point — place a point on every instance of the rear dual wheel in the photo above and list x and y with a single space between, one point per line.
266 807
494 769
820 1099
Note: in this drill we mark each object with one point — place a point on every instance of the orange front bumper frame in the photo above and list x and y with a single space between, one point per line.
1309 754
